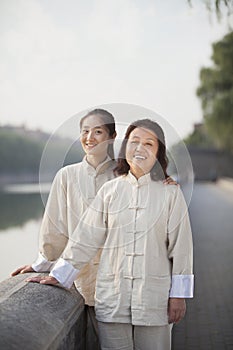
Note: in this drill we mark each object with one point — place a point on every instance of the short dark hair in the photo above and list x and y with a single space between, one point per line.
109 123
159 170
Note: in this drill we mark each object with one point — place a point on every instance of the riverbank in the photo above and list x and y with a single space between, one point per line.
27 188
25 178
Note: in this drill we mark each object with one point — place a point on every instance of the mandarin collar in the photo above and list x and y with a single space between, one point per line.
100 168
143 180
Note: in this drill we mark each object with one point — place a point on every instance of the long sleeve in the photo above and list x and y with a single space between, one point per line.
84 243
54 227
180 248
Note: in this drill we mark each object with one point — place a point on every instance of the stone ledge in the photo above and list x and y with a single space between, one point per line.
35 316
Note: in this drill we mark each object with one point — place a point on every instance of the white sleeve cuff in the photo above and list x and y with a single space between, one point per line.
64 273
182 286
42 265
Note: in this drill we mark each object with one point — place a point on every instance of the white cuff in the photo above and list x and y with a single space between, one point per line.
64 273
182 286
41 264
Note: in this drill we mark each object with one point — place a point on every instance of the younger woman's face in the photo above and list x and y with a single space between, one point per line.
141 151
94 136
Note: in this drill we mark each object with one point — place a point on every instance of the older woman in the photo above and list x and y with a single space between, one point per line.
145 270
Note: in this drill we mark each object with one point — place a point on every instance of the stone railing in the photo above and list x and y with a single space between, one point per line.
35 316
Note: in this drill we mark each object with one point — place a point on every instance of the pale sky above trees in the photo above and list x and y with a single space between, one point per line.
61 57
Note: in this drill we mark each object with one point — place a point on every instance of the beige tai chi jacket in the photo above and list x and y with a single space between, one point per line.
73 189
144 230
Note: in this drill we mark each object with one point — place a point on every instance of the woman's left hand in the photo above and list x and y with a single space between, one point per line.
43 280
176 309
169 181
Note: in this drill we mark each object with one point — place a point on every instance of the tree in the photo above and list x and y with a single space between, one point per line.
18 154
199 138
216 93
21 151
217 6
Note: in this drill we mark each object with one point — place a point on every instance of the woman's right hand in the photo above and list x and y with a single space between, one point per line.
23 269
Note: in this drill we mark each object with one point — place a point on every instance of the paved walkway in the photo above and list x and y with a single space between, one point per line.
208 323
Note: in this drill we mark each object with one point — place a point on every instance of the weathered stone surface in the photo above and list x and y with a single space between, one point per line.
35 316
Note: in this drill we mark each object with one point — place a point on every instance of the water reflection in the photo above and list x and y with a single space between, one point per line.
21 210
18 246
18 208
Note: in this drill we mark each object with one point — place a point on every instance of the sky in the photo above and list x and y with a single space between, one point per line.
61 57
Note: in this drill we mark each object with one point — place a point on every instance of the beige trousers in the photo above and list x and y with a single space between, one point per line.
117 336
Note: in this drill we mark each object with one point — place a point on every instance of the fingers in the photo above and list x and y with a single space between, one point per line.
176 310
49 280
37 279
169 181
27 269
22 269
34 279
166 181
16 272
171 317
176 316
43 280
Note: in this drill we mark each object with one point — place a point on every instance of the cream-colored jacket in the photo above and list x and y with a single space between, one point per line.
73 189
144 230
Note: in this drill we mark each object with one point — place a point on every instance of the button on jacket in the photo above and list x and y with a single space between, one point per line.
144 230
73 189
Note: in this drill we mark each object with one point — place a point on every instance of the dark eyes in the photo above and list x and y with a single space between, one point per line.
137 142
97 132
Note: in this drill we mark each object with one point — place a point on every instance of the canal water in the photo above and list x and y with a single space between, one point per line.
21 210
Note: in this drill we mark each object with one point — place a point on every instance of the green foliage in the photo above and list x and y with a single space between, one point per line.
216 94
217 6
21 151
200 139
18 154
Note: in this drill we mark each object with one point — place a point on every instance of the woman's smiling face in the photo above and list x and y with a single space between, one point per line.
141 151
94 136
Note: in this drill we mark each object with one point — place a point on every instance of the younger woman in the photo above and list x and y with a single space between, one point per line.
145 270
73 189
